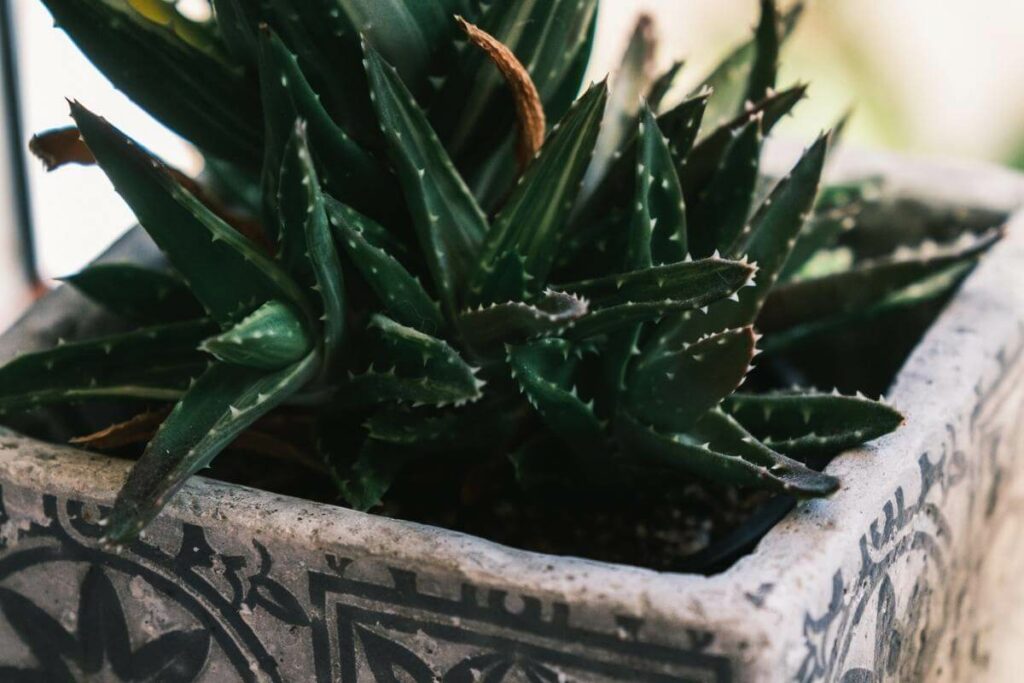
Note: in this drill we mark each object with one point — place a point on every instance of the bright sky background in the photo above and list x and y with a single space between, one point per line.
932 76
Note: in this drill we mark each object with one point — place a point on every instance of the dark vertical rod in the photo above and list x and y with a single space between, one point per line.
16 143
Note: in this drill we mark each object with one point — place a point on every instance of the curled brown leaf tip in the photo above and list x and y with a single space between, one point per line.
136 430
59 147
529 108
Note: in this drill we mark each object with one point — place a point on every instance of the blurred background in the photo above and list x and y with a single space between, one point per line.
927 77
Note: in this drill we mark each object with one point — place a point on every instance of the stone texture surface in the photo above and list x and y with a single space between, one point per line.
910 572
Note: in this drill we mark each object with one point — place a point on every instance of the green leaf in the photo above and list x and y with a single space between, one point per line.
374 471
418 38
692 284
698 167
517 321
836 211
919 302
137 294
609 208
657 231
722 209
400 293
270 339
722 433
615 318
481 425
154 363
681 123
449 224
773 230
509 280
730 79
321 252
222 404
812 425
226 272
411 367
327 44
237 21
867 284
631 81
766 241
660 215
766 54
350 172
543 371
738 462
655 293
662 85
671 390
374 233
533 222
174 71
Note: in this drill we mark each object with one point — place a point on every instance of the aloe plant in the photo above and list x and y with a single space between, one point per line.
434 248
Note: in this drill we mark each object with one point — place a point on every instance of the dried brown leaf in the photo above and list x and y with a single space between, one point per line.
529 108
59 147
136 430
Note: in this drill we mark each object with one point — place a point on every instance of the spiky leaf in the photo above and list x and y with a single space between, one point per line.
730 79
657 233
543 371
698 168
723 434
766 240
174 69
533 222
411 367
630 83
155 363
399 292
449 224
222 403
766 54
722 209
722 457
321 253
138 294
226 272
270 339
659 212
374 471
350 172
811 425
516 321
867 284
672 390
691 284
610 207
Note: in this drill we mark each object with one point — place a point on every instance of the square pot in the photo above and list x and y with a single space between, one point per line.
910 572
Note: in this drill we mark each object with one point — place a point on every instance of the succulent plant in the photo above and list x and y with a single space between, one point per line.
409 252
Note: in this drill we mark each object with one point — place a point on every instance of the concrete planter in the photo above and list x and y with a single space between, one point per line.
910 572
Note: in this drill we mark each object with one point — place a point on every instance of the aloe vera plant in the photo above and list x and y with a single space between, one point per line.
436 250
